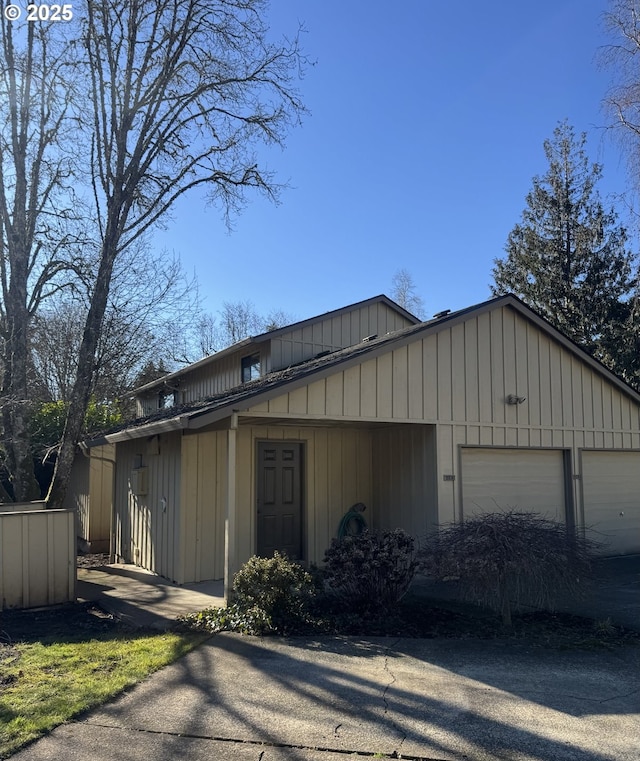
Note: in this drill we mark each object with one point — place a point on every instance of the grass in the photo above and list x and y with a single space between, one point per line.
56 664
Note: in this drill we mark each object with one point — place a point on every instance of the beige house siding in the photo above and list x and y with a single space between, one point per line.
388 427
90 494
147 525
334 332
462 375
202 382
389 470
336 474
459 379
404 486
219 376
101 498
203 505
37 558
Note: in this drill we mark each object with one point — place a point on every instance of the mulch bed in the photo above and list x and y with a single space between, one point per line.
59 623
72 621
430 619
93 560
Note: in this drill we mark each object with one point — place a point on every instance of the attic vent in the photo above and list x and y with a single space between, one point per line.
369 338
444 313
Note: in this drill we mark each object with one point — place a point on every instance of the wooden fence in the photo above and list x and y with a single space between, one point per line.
37 558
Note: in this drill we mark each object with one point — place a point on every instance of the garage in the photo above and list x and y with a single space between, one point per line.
611 499
528 480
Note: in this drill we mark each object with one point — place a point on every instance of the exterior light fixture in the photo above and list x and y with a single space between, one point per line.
513 399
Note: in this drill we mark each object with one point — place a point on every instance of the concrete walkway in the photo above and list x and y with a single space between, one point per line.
331 699
142 599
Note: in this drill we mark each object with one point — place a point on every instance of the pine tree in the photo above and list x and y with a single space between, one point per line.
568 257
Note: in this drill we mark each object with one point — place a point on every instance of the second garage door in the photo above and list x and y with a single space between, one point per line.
611 494
527 480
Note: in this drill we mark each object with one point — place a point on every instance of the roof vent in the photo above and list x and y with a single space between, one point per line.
369 338
444 313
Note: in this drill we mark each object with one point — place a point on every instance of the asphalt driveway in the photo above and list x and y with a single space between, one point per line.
333 698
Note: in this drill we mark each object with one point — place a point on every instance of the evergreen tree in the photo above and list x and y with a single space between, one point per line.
568 257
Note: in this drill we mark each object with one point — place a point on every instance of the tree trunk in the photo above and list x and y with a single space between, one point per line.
81 392
15 398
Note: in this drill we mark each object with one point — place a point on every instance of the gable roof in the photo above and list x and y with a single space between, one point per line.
262 337
240 398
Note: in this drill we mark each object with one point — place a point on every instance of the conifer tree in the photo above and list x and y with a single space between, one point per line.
568 256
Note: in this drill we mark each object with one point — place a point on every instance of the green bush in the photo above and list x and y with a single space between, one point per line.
370 571
270 596
502 560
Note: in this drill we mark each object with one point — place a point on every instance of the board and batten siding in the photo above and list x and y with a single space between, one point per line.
203 498
147 526
389 470
336 473
459 379
404 488
37 558
334 332
212 378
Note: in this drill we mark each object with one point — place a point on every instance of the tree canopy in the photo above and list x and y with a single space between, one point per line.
568 256
105 122
622 58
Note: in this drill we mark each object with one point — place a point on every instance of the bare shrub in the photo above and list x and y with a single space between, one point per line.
503 560
370 570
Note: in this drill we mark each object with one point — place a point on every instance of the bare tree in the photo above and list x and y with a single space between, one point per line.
235 321
151 299
622 57
36 205
180 92
403 292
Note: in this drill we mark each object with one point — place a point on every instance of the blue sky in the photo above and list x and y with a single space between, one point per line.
426 126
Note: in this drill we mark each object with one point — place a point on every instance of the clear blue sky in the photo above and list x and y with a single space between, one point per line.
426 128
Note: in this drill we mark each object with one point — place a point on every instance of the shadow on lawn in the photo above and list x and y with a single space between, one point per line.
75 622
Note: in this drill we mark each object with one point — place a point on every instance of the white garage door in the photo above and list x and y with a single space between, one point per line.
527 480
611 494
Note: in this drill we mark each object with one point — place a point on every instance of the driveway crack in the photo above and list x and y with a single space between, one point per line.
393 680
261 743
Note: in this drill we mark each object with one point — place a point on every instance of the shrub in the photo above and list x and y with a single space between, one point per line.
270 596
509 558
372 570
277 588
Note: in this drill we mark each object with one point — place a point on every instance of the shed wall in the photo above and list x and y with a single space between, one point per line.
37 558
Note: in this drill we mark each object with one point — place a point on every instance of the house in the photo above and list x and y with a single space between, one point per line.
267 444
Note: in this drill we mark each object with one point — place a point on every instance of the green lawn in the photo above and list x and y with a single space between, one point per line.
63 665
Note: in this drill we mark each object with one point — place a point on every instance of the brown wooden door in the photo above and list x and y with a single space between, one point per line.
279 499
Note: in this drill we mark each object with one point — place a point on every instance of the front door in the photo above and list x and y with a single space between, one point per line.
279 499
